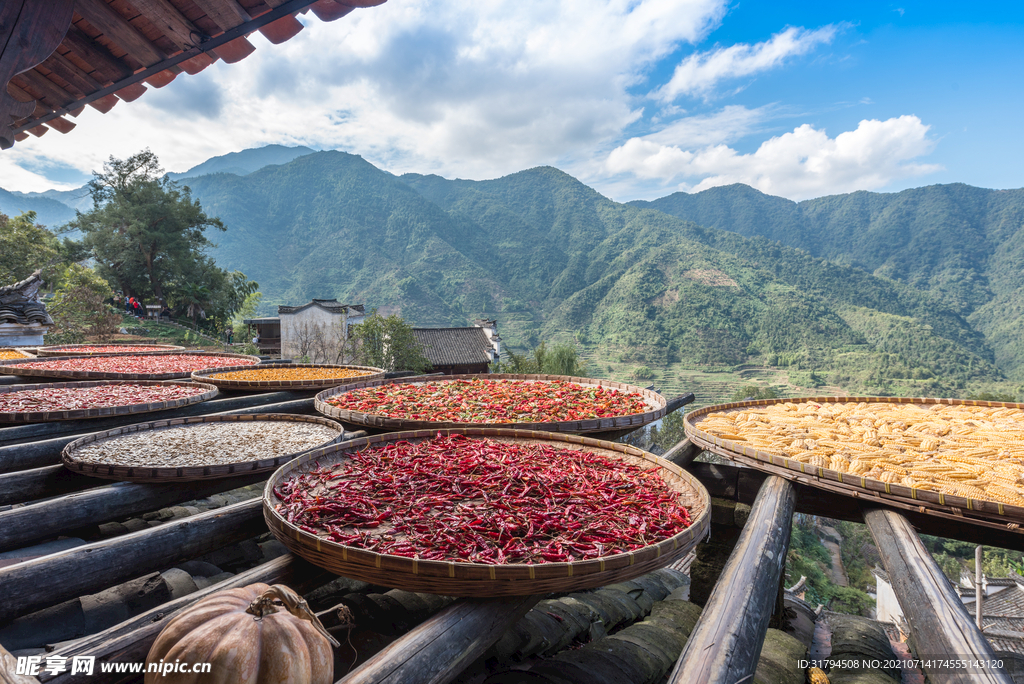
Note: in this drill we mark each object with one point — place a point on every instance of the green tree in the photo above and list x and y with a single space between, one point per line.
388 343
145 232
754 392
79 307
26 246
148 235
562 359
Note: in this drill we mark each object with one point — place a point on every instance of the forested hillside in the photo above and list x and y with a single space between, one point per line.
963 244
552 258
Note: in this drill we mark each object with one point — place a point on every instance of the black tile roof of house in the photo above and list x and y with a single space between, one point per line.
454 346
18 303
331 305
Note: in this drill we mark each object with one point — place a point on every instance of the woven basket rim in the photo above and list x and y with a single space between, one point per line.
264 385
11 367
190 473
106 411
60 349
964 509
484 579
659 402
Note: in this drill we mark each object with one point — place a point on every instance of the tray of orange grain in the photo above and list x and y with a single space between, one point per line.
104 398
553 403
486 511
198 448
952 458
165 365
106 348
286 376
11 354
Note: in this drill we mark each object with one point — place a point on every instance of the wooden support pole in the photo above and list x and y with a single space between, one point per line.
9 669
130 641
726 642
21 526
20 457
46 581
39 483
439 649
682 454
940 625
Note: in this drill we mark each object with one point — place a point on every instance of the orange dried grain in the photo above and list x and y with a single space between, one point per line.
290 374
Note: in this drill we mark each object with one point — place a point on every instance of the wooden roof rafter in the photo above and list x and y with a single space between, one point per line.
57 56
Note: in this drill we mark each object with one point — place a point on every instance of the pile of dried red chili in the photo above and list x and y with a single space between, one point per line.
103 396
492 401
482 501
107 349
147 364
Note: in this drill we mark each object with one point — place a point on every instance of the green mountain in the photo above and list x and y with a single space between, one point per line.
244 162
964 245
551 258
49 212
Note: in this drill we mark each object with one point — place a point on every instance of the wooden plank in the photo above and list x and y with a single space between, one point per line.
440 648
108 68
9 668
54 94
939 623
39 483
27 524
172 23
115 27
720 480
726 641
48 580
225 13
130 641
63 67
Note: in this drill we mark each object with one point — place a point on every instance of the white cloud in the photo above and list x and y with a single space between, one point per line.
468 88
798 165
699 73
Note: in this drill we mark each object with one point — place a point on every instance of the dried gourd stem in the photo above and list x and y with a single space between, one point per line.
267 603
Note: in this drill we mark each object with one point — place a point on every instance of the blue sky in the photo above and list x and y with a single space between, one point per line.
637 98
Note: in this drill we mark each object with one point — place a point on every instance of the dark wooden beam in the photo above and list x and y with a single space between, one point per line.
172 23
95 54
63 67
39 483
54 94
682 454
34 522
29 32
49 580
130 641
940 625
439 649
118 29
227 14
726 641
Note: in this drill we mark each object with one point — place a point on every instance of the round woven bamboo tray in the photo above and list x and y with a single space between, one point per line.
266 385
106 411
21 354
476 579
17 367
978 511
655 402
184 474
60 350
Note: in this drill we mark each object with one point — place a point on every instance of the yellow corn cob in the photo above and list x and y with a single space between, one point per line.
815 675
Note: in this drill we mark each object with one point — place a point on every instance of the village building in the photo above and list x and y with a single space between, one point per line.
297 329
461 351
1002 607
23 318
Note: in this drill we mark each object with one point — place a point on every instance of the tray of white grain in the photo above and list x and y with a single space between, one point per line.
199 448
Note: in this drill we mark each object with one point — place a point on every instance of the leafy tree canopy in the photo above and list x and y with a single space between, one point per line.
148 237
388 343
26 246
561 359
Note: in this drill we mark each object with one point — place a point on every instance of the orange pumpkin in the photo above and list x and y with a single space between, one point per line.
251 635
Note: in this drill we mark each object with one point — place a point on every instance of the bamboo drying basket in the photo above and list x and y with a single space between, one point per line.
59 350
294 385
18 350
869 490
106 411
477 579
655 402
17 367
184 474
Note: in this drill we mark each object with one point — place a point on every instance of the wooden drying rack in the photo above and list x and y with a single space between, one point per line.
723 648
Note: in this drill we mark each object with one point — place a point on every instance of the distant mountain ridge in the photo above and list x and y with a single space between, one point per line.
882 293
